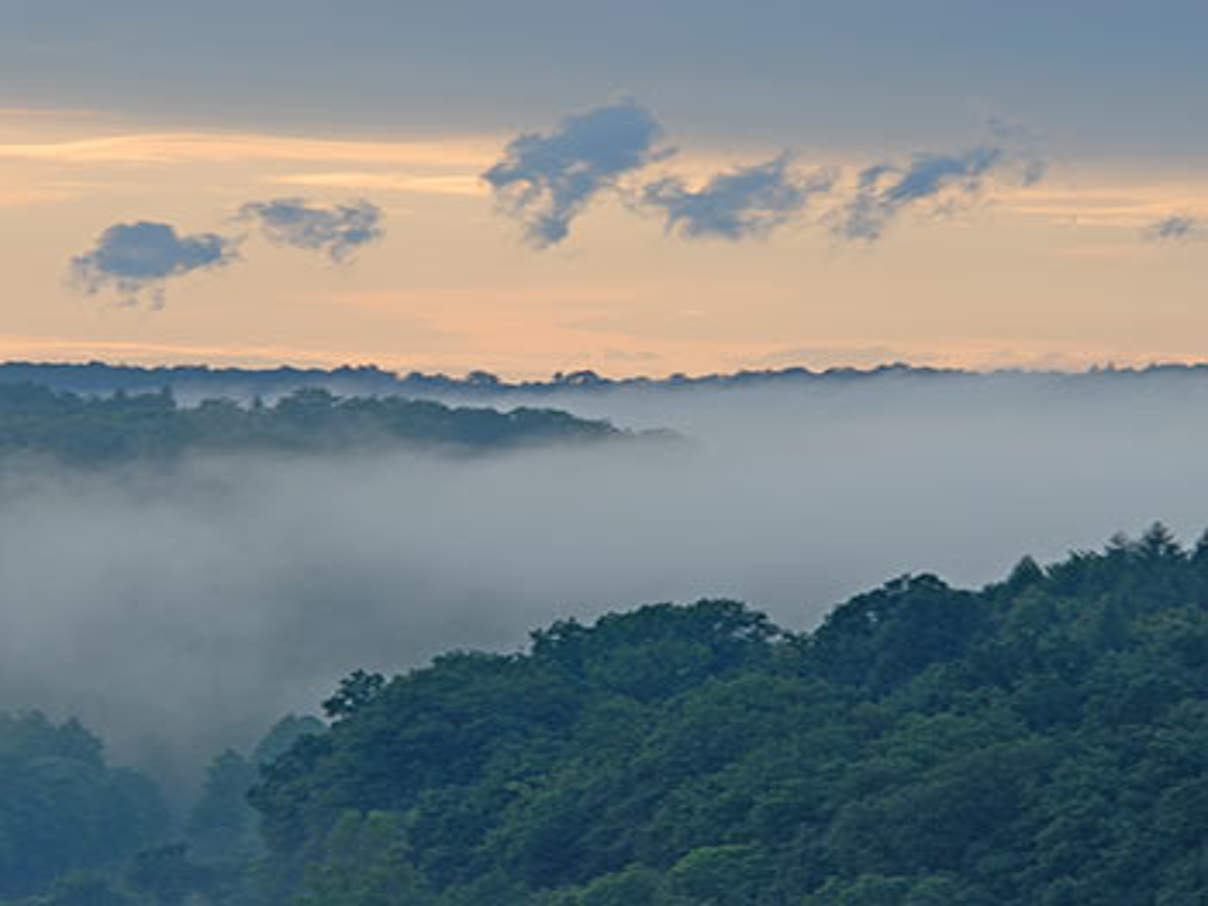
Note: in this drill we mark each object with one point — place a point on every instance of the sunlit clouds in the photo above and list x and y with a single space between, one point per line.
720 256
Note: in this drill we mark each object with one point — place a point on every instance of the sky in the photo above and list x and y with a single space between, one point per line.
634 188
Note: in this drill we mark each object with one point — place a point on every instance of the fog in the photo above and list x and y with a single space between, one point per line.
179 610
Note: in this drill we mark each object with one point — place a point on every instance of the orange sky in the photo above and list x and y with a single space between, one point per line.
1055 275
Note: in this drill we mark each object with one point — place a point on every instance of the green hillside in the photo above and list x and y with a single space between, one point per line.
1041 741
95 430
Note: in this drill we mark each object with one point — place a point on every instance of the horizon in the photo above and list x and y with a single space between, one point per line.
402 373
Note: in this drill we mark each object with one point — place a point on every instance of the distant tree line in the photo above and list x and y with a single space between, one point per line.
92 430
199 381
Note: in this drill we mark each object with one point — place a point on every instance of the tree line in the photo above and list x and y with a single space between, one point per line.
1042 740
99 430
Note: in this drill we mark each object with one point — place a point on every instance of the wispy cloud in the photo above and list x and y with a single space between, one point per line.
339 230
1176 227
137 259
742 202
1022 146
884 190
548 180
939 181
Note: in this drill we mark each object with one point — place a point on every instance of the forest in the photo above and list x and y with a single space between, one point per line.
201 381
1041 740
92 430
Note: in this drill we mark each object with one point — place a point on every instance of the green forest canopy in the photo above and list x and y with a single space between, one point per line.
1041 741
92 430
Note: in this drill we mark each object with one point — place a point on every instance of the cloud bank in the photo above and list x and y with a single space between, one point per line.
137 259
740 203
884 190
338 231
548 180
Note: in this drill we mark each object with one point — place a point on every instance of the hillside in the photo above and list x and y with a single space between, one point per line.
1043 740
93 430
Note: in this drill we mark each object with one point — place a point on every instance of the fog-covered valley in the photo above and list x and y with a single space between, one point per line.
184 607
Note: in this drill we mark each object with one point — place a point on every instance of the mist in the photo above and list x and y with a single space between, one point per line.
182 609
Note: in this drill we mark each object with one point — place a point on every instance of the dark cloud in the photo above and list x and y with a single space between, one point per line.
338 230
138 258
1176 226
745 201
883 190
548 180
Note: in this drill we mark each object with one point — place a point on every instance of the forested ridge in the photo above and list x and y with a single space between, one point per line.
1043 740
99 430
200 381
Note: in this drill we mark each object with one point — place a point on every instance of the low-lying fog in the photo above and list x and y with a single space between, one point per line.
181 612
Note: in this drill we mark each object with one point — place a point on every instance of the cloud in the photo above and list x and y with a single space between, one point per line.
548 180
1024 145
137 258
1175 227
338 230
743 202
883 190
948 179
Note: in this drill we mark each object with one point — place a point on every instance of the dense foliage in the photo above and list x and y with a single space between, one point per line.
76 832
1041 741
62 808
97 430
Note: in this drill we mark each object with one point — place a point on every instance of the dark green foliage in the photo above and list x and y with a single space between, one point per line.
165 876
363 862
355 692
283 734
223 831
63 809
84 889
882 639
99 430
1043 741
222 826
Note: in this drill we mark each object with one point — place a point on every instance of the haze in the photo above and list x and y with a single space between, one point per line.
185 609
